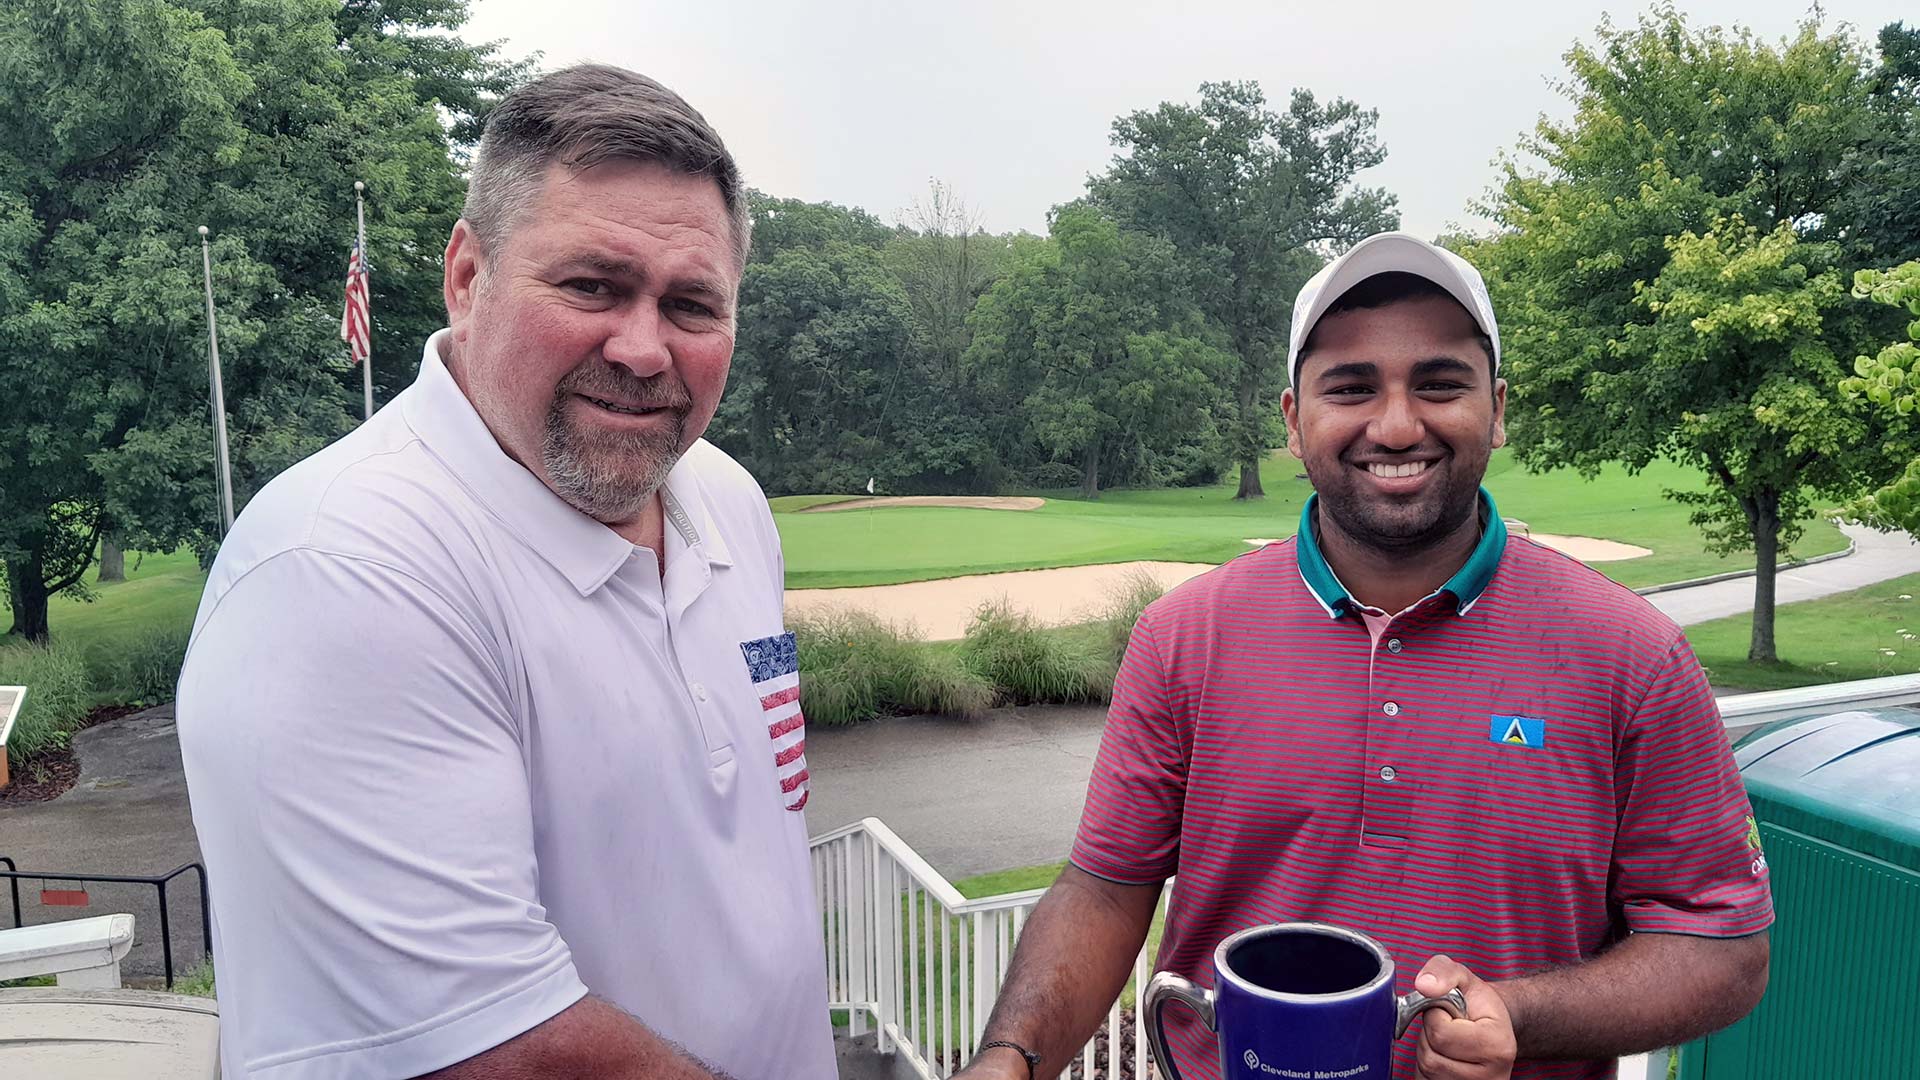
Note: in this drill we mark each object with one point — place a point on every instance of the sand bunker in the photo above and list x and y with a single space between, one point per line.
1589 549
1584 548
942 609
971 502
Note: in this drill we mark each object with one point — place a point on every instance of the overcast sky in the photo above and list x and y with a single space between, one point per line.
1011 103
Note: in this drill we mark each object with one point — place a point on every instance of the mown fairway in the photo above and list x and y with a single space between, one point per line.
886 546
861 547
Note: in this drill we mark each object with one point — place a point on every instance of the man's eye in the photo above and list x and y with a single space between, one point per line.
1348 391
585 286
691 307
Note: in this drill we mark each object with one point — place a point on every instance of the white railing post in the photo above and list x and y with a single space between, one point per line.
985 928
859 857
885 954
1142 971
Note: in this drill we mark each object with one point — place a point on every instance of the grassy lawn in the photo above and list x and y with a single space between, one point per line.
877 547
164 592
861 547
1863 634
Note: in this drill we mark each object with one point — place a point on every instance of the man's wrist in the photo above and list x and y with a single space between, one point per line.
1513 994
1020 1060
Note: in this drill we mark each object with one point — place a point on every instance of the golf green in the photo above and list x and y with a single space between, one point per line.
889 545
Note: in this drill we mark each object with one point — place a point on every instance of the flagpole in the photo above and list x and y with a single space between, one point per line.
366 366
222 469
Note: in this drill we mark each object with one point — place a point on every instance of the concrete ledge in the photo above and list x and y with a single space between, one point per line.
81 953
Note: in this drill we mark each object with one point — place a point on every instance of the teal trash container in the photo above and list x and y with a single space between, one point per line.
1837 803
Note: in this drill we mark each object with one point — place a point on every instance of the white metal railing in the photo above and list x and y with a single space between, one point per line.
922 964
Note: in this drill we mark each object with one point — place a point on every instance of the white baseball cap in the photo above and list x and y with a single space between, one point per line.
1384 253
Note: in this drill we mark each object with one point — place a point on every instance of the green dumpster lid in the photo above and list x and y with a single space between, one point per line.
1850 777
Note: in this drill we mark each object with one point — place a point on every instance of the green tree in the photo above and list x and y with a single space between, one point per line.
816 368
1890 380
115 111
1879 213
1737 370
813 406
1252 198
1098 333
1668 276
129 123
946 262
781 225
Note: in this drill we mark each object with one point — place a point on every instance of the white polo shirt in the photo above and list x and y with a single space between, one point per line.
458 756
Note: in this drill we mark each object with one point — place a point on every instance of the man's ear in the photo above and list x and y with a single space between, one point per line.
464 264
1290 408
1499 413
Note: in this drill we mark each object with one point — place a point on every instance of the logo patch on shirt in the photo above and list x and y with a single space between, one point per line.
1526 731
774 665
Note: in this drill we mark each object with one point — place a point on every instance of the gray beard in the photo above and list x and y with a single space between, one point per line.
608 477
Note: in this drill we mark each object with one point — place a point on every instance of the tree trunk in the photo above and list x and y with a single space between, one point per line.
113 561
29 596
1248 400
1090 470
1766 550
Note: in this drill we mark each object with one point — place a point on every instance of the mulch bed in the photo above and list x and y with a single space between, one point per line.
51 774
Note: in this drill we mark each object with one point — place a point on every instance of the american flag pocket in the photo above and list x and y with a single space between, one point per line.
774 666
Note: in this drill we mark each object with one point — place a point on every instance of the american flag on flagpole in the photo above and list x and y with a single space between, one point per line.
355 323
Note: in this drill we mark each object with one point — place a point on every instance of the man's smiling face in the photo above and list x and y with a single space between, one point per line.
594 338
1395 416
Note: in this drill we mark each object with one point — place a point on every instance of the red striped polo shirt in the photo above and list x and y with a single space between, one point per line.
1527 765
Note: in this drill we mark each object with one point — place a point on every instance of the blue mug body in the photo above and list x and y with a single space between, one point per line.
1295 1001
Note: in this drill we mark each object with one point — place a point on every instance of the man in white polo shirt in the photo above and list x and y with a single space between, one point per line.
489 719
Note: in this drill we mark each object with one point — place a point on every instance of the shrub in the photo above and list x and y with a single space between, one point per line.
146 671
856 667
1030 664
56 704
196 983
1124 604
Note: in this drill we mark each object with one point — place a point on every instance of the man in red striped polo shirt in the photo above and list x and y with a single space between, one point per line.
1503 766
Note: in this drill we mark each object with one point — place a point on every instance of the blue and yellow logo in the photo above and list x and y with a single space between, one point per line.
1518 731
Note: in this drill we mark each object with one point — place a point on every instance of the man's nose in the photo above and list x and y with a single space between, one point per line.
636 342
1397 424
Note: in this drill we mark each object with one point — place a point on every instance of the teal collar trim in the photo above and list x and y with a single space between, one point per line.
1466 584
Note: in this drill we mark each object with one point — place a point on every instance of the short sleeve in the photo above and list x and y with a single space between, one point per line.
1130 829
1686 855
363 809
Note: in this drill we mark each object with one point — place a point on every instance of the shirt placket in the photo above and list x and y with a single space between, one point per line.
1392 772
688 575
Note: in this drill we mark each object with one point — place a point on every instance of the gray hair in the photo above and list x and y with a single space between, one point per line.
580 117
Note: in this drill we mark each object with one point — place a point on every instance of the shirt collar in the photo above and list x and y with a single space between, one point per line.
583 550
1466 585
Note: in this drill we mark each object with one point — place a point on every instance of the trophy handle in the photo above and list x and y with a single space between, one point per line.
1414 1004
1164 989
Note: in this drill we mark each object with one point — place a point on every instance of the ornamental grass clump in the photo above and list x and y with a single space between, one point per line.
56 702
856 667
1030 664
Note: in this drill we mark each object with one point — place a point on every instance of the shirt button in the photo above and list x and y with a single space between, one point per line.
1388 772
1391 708
700 691
1393 645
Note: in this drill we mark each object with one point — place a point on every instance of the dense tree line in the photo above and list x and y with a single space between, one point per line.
131 122
1671 264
